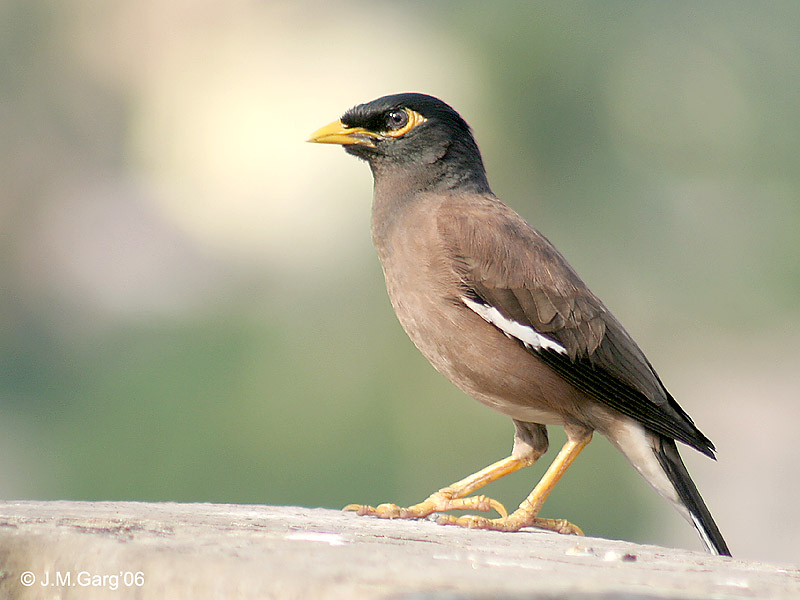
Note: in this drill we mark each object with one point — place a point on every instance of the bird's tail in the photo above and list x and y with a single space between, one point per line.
667 454
657 460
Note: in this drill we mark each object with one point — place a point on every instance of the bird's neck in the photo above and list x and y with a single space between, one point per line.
399 192
395 194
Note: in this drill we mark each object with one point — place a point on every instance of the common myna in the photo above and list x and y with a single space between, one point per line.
497 310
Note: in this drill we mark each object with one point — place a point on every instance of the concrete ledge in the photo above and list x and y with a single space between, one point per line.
141 550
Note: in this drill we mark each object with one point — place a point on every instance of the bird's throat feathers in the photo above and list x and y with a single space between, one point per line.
451 165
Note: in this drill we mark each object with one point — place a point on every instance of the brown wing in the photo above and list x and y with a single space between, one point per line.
506 264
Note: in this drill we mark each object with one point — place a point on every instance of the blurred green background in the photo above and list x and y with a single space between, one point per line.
191 309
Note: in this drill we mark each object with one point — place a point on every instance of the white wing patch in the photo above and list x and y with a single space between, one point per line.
524 333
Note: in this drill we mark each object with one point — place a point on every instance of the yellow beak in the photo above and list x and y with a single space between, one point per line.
339 133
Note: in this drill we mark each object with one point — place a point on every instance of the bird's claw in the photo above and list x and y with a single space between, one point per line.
383 511
438 502
514 522
559 526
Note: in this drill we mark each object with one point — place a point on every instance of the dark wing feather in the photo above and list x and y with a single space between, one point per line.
505 263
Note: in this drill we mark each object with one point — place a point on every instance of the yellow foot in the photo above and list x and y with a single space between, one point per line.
440 501
515 522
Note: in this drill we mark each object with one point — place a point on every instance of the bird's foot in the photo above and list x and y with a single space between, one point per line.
437 502
514 522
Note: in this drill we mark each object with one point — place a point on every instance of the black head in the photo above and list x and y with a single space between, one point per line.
412 132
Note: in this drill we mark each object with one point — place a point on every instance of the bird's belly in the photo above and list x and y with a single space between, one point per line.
480 360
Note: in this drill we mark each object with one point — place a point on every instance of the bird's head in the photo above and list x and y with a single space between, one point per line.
411 132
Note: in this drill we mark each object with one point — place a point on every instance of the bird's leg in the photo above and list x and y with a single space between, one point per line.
452 497
526 514
530 442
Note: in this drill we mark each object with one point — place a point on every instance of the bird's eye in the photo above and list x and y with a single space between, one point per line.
396 119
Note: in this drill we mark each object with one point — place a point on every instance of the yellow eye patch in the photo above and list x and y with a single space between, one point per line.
414 119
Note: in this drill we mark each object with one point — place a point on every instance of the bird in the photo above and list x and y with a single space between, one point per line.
498 310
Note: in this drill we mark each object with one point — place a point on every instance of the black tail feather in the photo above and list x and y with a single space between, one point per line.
667 453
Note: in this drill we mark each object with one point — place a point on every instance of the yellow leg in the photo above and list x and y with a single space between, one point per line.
453 497
526 514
